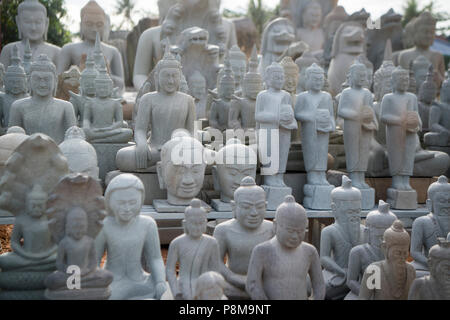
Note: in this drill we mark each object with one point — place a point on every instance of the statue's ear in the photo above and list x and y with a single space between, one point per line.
47 23
18 27
429 205
215 176
233 208
159 171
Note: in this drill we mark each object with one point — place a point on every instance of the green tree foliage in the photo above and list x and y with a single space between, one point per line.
260 15
125 8
411 10
58 34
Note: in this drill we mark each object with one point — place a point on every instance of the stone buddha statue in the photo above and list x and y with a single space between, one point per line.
131 242
13 137
93 21
16 88
427 94
160 112
32 24
2 77
331 23
310 30
424 32
420 67
42 112
291 74
363 255
338 239
238 61
68 81
81 155
427 229
103 115
305 61
210 286
395 274
197 89
238 237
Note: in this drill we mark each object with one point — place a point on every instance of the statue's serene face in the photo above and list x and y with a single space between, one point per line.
42 83
195 225
36 207
125 204
398 254
290 83
88 86
312 17
250 208
15 85
401 81
290 232
231 175
424 36
169 80
227 90
376 235
33 24
183 181
348 215
91 24
252 89
359 77
76 226
103 89
275 80
315 81
239 68
427 95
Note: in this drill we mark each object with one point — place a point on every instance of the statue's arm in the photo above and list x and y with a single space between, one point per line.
345 108
261 115
69 115
172 258
143 60
64 59
213 115
315 273
100 245
354 267
61 257
153 254
301 113
117 71
364 292
434 118
254 285
92 259
16 236
118 116
417 236
325 253
331 111
386 115
234 114
15 116
143 120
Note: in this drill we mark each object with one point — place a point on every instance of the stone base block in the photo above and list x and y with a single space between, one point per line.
367 198
317 197
381 186
275 195
163 206
106 156
81 294
220 206
402 199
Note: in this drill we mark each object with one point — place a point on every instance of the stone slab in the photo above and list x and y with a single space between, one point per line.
317 196
402 199
106 156
367 198
275 195
161 205
219 205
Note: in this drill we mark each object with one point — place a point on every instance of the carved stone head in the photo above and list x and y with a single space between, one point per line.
32 21
274 76
424 30
315 78
195 219
377 221
312 15
396 242
93 20
15 76
43 77
290 223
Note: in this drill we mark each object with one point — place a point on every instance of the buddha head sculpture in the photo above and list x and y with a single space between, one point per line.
197 85
277 37
315 78
181 170
377 222
290 75
81 155
234 162
400 79
439 263
362 58
428 90
420 67
346 208
43 77
15 76
36 202
311 15
88 76
238 61
195 219
210 286
408 34
424 30
227 82
382 79
103 82
253 82
438 201
348 39
274 76
290 223
124 197
303 62
395 244
168 74
93 21
32 21
357 75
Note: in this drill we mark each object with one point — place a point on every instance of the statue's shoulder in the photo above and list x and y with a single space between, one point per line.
21 102
263 248
309 248
151 32
267 224
423 221
146 221
326 95
184 96
10 46
52 47
223 227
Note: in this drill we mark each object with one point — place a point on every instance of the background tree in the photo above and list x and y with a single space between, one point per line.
261 15
125 8
58 34
411 10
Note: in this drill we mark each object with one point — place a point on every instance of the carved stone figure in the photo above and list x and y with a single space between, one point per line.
15 88
76 211
436 285
363 255
237 237
279 267
131 242
2 77
314 109
68 81
103 115
238 61
427 229
356 108
294 9
197 89
331 23
424 32
195 251
310 31
210 286
420 67
337 240
81 155
93 22
274 115
32 24
399 112
8 143
427 94
348 44
160 112
303 63
395 274
42 112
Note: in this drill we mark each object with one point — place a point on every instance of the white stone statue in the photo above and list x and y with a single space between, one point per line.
427 94
42 112
131 242
195 252
314 109
93 22
279 267
420 66
303 63
32 24
239 236
337 240
311 31
356 108
210 286
395 274
399 112
362 255
238 61
197 89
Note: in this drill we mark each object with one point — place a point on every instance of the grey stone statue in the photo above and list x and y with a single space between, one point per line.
42 112
195 251
238 61
279 267
314 109
210 286
427 94
420 67
197 89
131 242
395 274
239 236
337 240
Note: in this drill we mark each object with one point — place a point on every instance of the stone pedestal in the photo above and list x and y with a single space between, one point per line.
106 156
367 198
82 294
275 195
402 199
317 197
220 206
25 285
161 205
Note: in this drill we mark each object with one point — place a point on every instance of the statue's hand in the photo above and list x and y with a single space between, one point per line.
160 289
412 122
142 156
